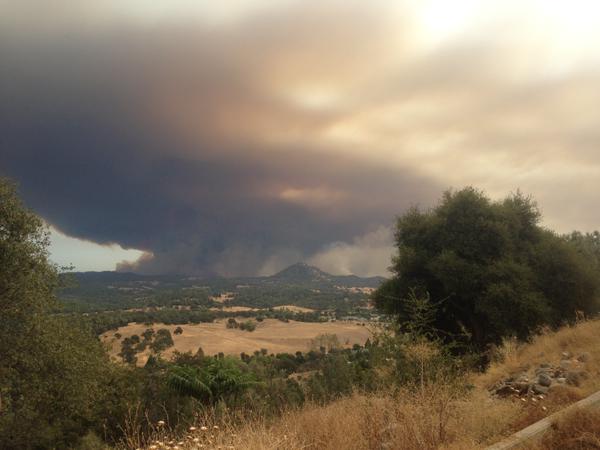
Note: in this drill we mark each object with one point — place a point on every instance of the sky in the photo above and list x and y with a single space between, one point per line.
238 137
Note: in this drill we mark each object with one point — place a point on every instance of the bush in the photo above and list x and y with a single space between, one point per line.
248 325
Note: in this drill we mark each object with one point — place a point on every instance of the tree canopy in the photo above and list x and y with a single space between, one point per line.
490 267
46 364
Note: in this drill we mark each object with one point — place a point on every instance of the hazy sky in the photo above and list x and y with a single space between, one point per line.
237 137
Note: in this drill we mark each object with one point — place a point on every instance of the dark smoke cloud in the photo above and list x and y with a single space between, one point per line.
296 132
154 139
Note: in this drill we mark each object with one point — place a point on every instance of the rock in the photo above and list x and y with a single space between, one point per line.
544 379
584 357
505 391
566 355
561 380
566 364
545 366
573 378
522 387
523 379
539 389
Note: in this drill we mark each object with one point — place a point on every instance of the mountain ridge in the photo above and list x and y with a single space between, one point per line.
295 273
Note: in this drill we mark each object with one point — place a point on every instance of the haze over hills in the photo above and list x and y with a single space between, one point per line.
304 273
299 273
299 284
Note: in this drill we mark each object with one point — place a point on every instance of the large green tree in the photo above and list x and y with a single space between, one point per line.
489 267
51 371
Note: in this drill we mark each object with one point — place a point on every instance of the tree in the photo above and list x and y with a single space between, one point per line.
51 370
128 351
148 334
162 340
587 244
490 268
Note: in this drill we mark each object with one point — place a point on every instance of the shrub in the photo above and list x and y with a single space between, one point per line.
248 325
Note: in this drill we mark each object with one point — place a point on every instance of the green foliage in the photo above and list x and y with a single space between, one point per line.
128 351
187 380
51 370
493 269
162 340
325 343
217 379
587 244
248 325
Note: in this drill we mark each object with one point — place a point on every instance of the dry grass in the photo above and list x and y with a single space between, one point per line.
293 308
434 417
425 420
548 348
579 430
232 308
274 335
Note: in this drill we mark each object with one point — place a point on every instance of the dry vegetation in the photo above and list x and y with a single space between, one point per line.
274 335
293 308
579 430
440 416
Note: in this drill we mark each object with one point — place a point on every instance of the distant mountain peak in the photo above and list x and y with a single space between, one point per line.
301 272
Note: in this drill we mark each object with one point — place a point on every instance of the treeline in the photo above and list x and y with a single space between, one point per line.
101 322
264 297
86 297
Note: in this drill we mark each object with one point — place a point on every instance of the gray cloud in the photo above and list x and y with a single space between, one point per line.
290 133
155 140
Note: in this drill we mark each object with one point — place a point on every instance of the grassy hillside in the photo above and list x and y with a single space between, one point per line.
437 415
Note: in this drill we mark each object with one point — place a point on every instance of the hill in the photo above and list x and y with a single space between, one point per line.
302 273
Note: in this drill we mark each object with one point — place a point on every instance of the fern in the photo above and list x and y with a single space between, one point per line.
186 381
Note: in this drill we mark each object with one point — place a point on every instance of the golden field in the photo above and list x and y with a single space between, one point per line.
274 335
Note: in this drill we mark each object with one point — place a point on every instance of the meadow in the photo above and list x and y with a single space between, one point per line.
274 335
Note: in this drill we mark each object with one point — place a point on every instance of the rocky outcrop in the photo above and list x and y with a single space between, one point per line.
541 379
